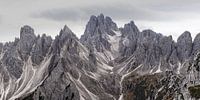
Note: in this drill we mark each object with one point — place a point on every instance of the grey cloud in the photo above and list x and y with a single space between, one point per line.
58 14
181 6
118 12
48 15
0 19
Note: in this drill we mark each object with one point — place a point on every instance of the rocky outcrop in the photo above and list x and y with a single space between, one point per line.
101 35
161 86
130 34
196 45
184 46
27 39
40 49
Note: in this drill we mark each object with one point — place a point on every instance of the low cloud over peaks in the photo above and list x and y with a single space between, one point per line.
60 14
118 12
48 16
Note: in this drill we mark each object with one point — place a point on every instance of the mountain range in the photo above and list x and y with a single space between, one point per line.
106 63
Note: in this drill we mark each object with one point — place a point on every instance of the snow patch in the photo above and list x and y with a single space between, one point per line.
124 65
126 41
31 78
114 41
122 78
106 67
158 70
104 56
179 68
117 33
160 89
121 97
83 91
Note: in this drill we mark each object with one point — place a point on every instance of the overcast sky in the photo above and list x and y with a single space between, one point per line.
169 17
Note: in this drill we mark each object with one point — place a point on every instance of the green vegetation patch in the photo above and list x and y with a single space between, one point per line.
195 91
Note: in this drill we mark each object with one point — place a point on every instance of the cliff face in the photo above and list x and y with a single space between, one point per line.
106 63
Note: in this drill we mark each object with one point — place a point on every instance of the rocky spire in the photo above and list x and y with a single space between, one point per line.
65 36
98 25
66 32
184 45
41 48
196 45
26 31
130 32
27 39
130 28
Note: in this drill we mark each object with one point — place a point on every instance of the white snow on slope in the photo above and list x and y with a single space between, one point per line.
83 91
83 51
105 67
160 89
124 68
158 70
121 97
179 68
31 78
108 55
122 78
126 41
104 56
114 41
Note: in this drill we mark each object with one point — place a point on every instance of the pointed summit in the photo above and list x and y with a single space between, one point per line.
100 25
66 32
196 44
185 34
26 31
130 32
100 17
184 45
102 35
130 28
27 39
97 26
66 29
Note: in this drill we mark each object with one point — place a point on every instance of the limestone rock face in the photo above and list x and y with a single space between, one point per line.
40 48
184 46
130 34
27 39
106 63
96 32
196 45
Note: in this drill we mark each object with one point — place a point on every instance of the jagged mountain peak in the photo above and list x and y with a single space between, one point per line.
27 39
102 35
100 18
131 24
104 61
65 38
184 45
27 31
196 44
185 35
100 25
66 31
197 37
130 29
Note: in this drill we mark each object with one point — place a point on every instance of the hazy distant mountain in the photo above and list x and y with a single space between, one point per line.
106 63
